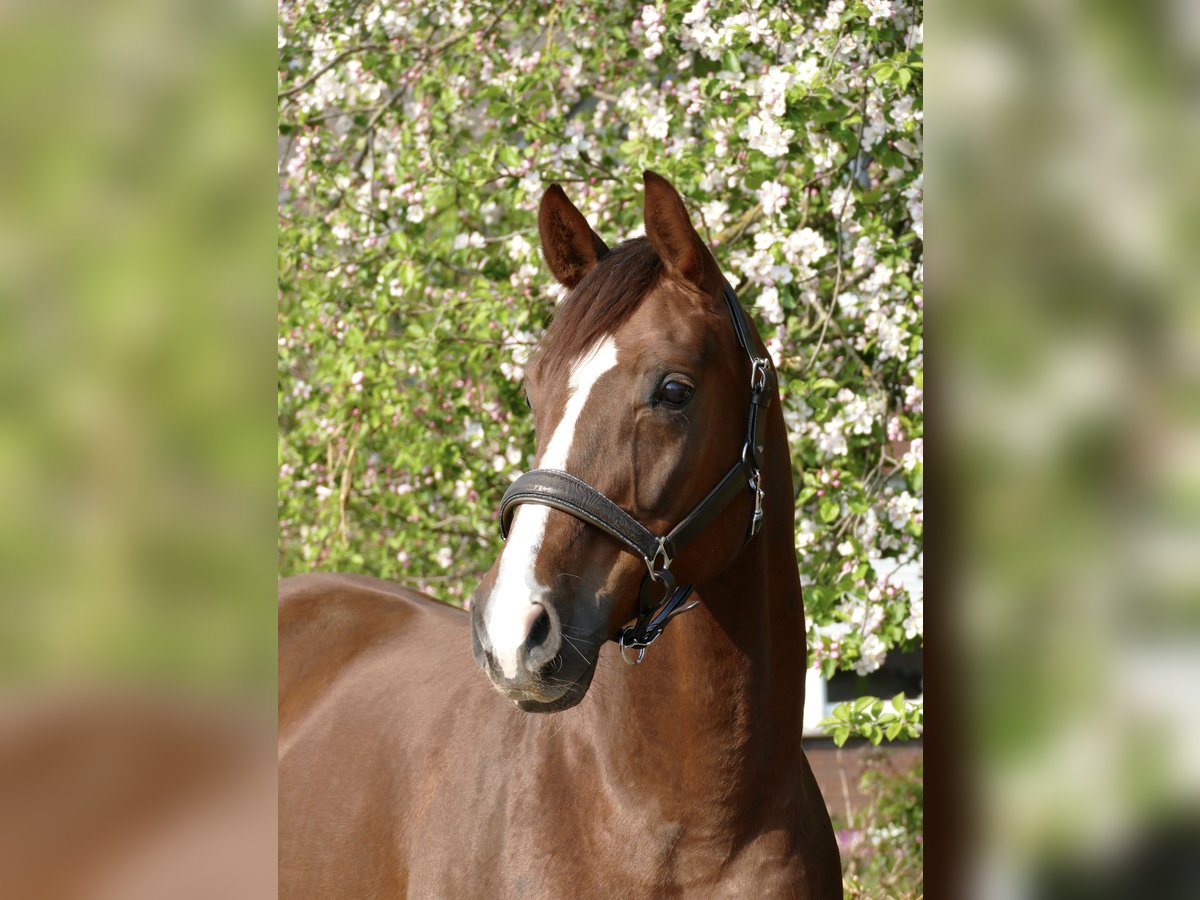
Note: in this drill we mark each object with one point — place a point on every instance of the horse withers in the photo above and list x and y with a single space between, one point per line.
663 493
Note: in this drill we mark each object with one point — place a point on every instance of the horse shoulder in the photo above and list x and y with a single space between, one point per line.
379 698
328 621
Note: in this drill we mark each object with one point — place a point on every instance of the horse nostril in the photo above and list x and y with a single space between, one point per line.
540 630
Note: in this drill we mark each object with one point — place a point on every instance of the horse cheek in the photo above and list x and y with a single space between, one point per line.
657 458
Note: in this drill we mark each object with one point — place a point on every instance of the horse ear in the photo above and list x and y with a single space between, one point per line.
671 233
570 246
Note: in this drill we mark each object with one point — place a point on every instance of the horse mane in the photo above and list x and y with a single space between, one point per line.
606 297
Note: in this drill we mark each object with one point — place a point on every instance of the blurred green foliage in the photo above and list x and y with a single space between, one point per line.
136 241
1070 332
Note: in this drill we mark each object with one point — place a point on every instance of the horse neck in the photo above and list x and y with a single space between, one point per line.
714 714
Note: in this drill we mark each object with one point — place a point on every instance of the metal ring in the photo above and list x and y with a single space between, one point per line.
641 649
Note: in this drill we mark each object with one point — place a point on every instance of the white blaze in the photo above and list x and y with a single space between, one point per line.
516 586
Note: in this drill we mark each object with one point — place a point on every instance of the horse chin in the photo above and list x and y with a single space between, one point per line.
570 697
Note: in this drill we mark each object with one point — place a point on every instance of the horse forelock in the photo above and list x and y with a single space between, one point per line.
607 296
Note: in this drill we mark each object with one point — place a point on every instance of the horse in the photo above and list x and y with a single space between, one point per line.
510 751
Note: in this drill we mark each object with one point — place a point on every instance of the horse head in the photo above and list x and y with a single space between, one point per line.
639 389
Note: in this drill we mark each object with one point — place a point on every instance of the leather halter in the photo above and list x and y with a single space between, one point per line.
562 491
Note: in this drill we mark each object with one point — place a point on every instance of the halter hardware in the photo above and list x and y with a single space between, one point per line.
563 491
757 519
758 374
652 563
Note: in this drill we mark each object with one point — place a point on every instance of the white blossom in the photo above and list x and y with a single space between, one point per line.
805 534
765 134
772 195
768 302
518 248
804 247
653 28
713 213
463 240
871 655
914 398
520 345
890 333
658 124
861 413
915 455
841 202
879 9
831 438
531 183
916 208
473 432
832 18
914 622
901 509
772 90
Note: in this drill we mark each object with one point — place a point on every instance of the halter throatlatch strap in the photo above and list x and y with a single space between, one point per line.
659 599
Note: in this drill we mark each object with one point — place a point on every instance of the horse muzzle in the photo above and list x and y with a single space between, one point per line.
530 661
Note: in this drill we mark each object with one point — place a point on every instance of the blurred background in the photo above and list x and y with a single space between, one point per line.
1062 160
137 447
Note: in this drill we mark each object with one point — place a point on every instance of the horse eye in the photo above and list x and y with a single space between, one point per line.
527 403
675 393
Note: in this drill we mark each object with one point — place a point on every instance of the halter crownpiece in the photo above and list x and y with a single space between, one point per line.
562 491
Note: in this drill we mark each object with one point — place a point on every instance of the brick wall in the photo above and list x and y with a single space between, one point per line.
838 769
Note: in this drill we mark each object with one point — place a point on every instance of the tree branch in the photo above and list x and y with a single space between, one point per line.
307 82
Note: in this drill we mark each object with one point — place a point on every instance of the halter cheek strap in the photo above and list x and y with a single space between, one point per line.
659 599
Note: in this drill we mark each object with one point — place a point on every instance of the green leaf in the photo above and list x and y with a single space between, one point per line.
830 509
898 702
509 156
840 734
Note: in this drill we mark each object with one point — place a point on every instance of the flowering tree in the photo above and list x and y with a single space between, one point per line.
415 142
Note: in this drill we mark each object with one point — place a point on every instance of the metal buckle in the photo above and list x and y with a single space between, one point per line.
758 374
756 486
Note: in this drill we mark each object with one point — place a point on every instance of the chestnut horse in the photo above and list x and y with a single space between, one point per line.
560 771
